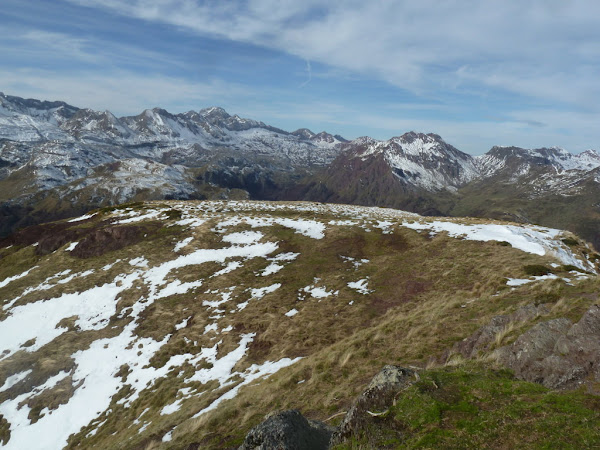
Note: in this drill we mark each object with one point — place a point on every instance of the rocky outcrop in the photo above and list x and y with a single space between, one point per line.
288 430
367 417
484 338
557 353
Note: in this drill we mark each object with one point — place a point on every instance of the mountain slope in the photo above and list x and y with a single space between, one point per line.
176 323
414 171
57 160
422 173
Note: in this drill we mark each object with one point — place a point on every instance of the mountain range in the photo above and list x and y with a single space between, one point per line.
57 160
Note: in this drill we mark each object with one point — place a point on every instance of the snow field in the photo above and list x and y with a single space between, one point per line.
96 365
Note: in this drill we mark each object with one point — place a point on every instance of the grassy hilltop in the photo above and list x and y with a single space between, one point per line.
173 324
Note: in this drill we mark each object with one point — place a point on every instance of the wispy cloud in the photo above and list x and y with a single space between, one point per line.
58 43
528 48
122 92
308 75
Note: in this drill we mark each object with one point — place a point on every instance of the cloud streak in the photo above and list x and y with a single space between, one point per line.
477 72
121 92
526 48
308 75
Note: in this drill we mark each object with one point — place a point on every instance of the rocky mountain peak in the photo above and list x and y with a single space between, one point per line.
214 114
417 160
29 105
324 137
589 159
413 136
519 160
303 133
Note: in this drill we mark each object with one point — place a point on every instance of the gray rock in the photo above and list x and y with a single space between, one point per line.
526 353
392 377
485 337
557 353
367 415
288 430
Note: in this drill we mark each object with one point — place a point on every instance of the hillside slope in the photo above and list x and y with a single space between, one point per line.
183 323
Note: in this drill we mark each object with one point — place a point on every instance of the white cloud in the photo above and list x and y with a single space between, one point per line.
132 92
535 48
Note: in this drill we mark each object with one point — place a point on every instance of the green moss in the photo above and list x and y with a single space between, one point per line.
570 268
472 406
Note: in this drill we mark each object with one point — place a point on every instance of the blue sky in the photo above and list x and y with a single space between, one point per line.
479 73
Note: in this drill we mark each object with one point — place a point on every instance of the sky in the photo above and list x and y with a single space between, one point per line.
478 73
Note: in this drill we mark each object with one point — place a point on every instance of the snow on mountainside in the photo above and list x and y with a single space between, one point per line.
421 160
130 322
57 160
53 149
31 120
425 161
85 138
520 161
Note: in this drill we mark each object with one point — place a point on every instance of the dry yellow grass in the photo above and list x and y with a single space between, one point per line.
427 294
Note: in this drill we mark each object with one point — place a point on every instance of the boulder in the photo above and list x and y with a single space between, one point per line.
526 354
288 430
483 339
367 417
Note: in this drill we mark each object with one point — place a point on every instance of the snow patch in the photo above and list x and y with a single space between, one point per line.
536 240
259 293
361 286
271 269
71 247
14 379
182 244
79 219
16 277
139 262
243 237
522 281
182 324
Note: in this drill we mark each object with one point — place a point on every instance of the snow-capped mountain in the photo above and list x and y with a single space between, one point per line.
76 155
420 160
422 173
69 159
426 163
520 161
32 120
323 138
